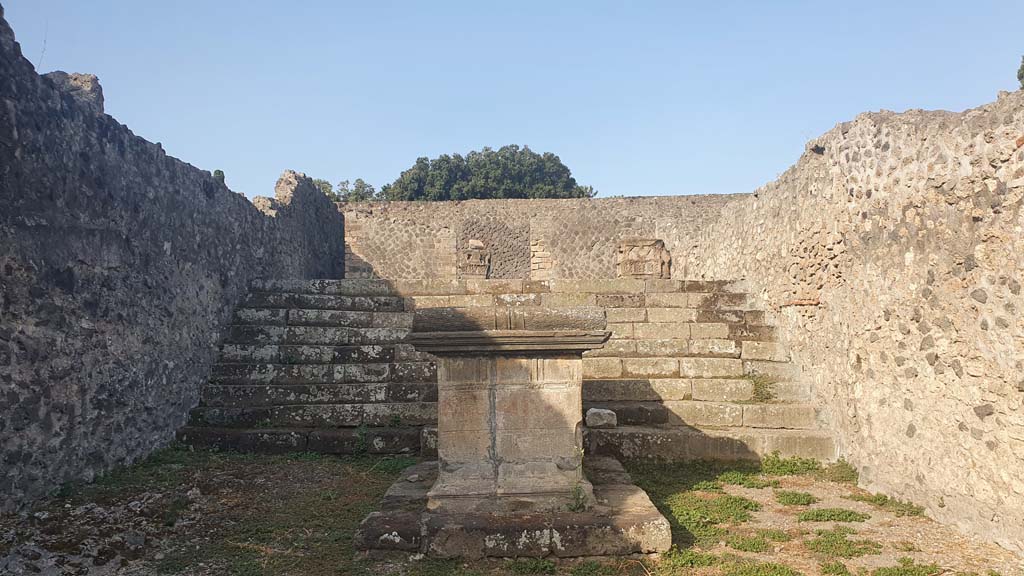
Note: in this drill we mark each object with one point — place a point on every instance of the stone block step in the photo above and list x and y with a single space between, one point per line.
326 335
629 367
708 389
346 287
704 413
241 396
318 415
310 317
275 300
323 373
687 443
320 354
391 440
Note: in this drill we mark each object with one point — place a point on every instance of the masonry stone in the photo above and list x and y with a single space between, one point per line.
874 282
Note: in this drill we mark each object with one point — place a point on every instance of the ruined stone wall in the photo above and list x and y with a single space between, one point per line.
893 255
527 239
118 267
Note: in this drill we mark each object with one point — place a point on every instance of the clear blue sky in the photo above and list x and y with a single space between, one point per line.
637 98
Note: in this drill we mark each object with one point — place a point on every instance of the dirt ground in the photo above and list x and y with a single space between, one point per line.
184 512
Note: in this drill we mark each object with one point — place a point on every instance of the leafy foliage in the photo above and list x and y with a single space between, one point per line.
218 175
509 172
836 568
836 544
898 507
1020 72
906 567
832 515
774 464
792 498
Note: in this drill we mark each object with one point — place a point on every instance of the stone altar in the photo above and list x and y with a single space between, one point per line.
510 479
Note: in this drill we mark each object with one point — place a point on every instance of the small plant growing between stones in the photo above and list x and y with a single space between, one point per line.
593 568
791 498
362 445
832 515
395 421
579 499
764 388
532 566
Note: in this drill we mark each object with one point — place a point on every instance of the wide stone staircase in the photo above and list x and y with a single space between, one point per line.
692 369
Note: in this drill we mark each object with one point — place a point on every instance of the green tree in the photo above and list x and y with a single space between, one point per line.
508 172
1020 72
358 191
218 175
326 188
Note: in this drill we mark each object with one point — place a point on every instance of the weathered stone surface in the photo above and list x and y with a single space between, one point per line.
601 418
633 442
120 268
85 89
621 521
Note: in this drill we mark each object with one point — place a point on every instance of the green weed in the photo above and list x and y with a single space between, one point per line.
832 515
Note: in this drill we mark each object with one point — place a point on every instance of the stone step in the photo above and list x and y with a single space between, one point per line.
310 317
240 396
705 413
323 335
627 367
322 373
306 354
687 443
391 440
346 287
317 415
707 389
274 300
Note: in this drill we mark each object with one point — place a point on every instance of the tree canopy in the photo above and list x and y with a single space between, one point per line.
508 172
357 191
1020 72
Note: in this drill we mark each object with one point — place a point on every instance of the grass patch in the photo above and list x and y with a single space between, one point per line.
593 568
791 498
749 568
748 543
676 559
532 566
696 518
906 567
840 472
835 568
775 465
906 547
836 543
745 479
438 567
832 515
899 508
695 515
774 535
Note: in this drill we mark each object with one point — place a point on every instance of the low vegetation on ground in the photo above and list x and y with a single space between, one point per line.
201 513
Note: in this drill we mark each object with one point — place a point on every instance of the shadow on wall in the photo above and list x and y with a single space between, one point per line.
119 268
